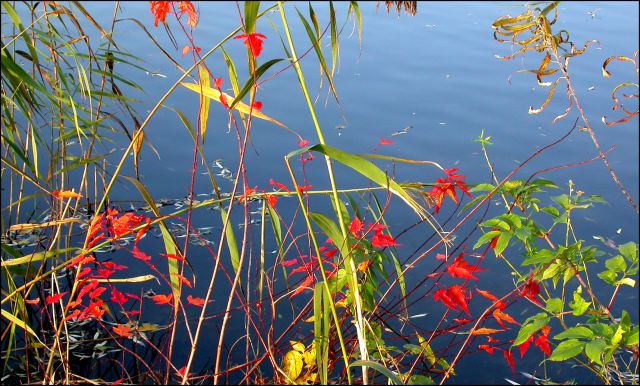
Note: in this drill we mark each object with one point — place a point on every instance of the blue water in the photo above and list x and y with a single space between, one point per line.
436 73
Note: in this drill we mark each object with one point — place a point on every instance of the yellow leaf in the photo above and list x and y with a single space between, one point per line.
292 365
297 346
485 331
242 107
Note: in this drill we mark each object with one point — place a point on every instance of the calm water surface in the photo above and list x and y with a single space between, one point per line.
435 73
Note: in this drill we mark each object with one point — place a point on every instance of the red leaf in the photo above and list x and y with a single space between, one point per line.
509 358
355 228
138 254
190 10
172 256
279 185
198 302
253 41
460 268
162 299
33 302
289 263
185 50
96 292
53 298
487 348
159 10
306 284
542 343
441 257
257 106
487 295
118 297
524 346
217 83
443 296
303 143
380 240
530 290
456 293
182 279
304 188
271 200
385 141
123 330
500 316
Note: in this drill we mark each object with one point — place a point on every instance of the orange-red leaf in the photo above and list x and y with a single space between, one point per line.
485 331
195 301
123 330
53 298
60 194
162 299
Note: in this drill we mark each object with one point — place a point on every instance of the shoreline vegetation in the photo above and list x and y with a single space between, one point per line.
319 296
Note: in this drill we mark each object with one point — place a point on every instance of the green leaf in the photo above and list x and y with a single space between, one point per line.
33 257
332 231
250 83
551 210
567 349
542 256
609 276
579 305
616 264
554 305
631 338
230 238
496 223
530 326
251 15
629 250
420 380
485 238
427 350
170 245
617 337
503 242
367 169
594 350
379 368
575 332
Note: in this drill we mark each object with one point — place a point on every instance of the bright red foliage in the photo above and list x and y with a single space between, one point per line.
447 186
460 268
509 358
162 299
453 297
190 10
123 330
355 228
159 10
385 141
530 290
279 185
253 41
53 298
198 302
